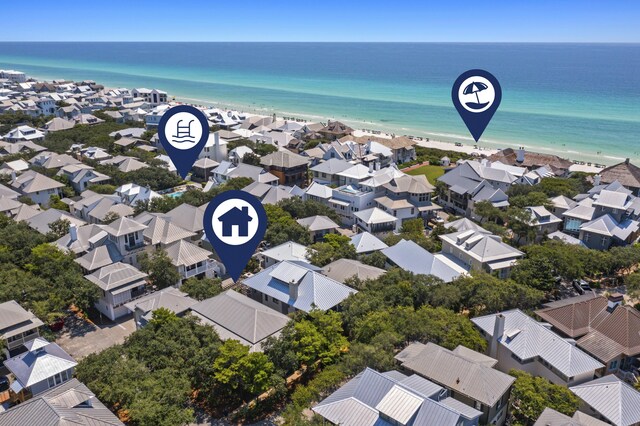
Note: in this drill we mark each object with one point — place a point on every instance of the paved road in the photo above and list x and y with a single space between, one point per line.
81 338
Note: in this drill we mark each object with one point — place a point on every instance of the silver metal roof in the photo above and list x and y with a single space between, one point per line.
612 398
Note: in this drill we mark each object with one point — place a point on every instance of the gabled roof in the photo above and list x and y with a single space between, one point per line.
411 257
169 298
563 202
318 190
41 221
551 417
533 339
365 242
314 289
332 166
85 236
565 238
456 372
541 216
482 247
342 269
608 226
30 182
239 317
318 223
374 215
70 403
44 359
14 319
410 400
614 399
465 224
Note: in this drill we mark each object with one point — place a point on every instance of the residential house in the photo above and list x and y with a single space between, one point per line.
227 170
236 155
365 243
169 298
290 168
82 176
397 150
287 251
626 173
326 172
335 130
17 327
124 163
561 204
119 283
542 220
532 160
291 286
193 261
407 197
319 226
57 124
188 217
342 269
203 168
43 366
24 134
409 256
132 194
551 417
519 342
16 166
41 220
466 180
70 403
51 160
469 377
38 187
269 194
481 251
464 224
611 400
603 327
153 97
127 235
372 398
375 221
216 147
238 317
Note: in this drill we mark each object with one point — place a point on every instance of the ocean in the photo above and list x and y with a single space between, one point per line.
581 101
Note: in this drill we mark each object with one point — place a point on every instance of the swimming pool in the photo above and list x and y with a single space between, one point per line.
176 194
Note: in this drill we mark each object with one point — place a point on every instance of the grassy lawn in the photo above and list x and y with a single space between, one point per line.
432 172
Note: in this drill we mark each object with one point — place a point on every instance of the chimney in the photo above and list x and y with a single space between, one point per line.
596 180
377 165
293 290
498 331
370 167
626 161
615 299
13 175
73 232
520 155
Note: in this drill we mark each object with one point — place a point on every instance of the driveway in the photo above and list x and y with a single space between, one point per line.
81 337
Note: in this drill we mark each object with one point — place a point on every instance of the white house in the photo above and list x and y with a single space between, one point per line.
119 283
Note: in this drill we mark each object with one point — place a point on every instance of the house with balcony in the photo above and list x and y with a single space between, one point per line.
319 226
409 256
23 134
481 251
291 169
168 298
327 172
296 286
36 186
81 176
601 326
119 283
43 366
127 235
17 327
408 197
465 374
193 261
153 97
375 221
519 342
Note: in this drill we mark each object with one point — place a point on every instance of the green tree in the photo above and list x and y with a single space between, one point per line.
161 271
376 259
535 272
632 281
531 395
251 158
202 288
110 217
58 229
334 247
487 211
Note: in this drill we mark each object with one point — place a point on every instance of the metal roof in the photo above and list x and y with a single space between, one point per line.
14 319
612 398
536 340
411 257
366 242
342 269
318 223
46 360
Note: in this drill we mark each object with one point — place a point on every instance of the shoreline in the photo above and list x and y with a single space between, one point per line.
436 140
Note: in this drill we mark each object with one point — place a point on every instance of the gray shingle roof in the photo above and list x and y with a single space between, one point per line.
239 317
342 269
457 372
612 398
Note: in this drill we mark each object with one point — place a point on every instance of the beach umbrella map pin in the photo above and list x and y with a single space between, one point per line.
183 131
235 223
476 94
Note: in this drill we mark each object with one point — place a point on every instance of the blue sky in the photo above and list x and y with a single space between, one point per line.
327 20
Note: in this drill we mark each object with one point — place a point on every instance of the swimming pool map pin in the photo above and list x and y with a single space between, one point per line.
476 95
183 131
235 223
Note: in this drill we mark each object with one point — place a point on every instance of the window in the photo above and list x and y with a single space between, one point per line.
50 382
613 365
604 241
478 406
586 238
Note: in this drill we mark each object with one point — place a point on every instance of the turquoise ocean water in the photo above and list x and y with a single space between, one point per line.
579 100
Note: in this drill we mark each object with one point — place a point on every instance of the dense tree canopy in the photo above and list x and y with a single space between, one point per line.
334 247
202 288
162 273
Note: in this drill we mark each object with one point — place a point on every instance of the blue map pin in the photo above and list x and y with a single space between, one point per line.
476 95
183 131
235 223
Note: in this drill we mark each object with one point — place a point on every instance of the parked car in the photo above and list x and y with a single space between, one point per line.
4 383
57 325
581 286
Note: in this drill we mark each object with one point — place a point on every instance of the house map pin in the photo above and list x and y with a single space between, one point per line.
235 223
183 131
476 94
